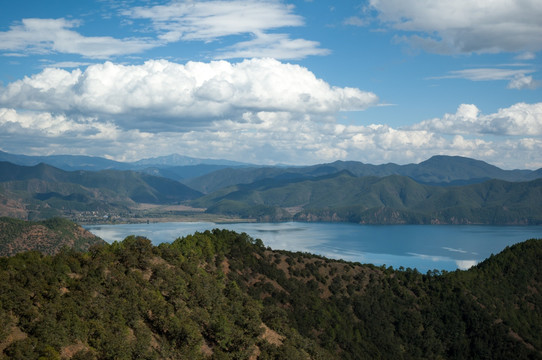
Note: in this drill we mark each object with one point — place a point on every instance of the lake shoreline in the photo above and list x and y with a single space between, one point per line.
426 247
229 220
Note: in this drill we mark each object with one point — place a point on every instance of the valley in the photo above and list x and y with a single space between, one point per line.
270 180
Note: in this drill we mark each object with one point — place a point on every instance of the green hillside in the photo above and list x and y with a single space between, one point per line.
392 199
223 295
48 236
318 193
136 186
43 191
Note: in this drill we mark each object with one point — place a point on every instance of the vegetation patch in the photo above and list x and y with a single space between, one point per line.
130 300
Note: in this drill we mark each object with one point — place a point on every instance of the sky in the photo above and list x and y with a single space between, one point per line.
273 82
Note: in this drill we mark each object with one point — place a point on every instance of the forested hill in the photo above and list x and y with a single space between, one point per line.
380 200
42 191
223 295
136 186
48 236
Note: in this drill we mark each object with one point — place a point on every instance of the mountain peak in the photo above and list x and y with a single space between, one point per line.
454 159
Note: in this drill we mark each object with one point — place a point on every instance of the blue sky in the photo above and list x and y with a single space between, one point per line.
267 82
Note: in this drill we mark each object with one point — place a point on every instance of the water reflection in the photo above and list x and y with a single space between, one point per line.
424 247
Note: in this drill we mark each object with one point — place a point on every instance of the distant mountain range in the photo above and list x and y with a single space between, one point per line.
438 170
204 174
442 189
174 166
180 160
379 200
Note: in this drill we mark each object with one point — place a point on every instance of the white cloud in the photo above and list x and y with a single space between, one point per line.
262 137
486 74
211 20
42 36
65 64
520 119
38 122
39 133
526 56
160 95
518 78
523 82
465 26
277 46
177 21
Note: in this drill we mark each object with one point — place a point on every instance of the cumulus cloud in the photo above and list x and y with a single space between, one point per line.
38 122
465 26
161 95
263 138
211 20
41 133
520 119
381 143
42 36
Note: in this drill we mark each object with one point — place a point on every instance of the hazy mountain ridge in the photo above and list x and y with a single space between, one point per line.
181 160
65 162
438 170
222 295
208 175
174 162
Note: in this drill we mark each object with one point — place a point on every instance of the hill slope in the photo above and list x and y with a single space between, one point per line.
136 186
47 237
392 199
47 191
224 295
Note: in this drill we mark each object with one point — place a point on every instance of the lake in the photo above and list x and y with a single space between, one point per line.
424 247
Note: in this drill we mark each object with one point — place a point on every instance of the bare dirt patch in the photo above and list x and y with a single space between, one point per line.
14 335
271 336
225 266
69 351
206 350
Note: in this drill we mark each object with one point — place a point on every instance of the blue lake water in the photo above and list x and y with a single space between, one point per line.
424 247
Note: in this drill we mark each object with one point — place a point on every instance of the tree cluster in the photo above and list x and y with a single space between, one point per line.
224 295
